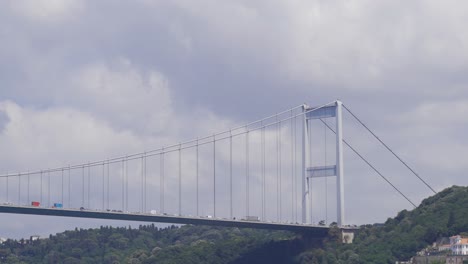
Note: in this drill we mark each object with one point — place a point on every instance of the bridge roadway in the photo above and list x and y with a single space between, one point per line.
320 231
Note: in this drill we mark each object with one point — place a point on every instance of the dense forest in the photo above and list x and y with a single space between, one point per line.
443 214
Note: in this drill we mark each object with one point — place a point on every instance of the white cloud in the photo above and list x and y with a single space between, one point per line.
357 43
437 113
47 10
40 138
432 144
121 94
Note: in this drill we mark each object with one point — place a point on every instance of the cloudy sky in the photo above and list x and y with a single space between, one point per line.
85 80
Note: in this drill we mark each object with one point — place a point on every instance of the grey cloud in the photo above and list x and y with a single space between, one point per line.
221 63
4 119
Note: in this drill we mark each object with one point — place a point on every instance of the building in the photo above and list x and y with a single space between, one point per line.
2 240
438 259
442 244
34 238
459 245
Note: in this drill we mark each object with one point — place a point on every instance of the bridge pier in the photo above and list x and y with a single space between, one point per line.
347 236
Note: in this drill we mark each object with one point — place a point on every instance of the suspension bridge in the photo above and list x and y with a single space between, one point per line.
258 175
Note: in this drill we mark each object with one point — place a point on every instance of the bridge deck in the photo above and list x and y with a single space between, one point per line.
315 230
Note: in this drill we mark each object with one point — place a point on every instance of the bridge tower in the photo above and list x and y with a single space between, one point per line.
308 173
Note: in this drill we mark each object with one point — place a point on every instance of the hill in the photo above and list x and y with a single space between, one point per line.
147 244
443 214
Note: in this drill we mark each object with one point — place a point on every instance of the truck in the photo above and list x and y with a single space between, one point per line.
252 218
58 205
35 204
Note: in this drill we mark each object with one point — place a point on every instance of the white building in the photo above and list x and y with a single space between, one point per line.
442 244
459 245
34 237
2 240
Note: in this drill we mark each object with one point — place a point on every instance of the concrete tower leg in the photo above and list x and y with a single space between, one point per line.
305 158
339 165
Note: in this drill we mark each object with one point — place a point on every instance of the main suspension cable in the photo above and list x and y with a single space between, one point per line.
371 166
173 148
389 149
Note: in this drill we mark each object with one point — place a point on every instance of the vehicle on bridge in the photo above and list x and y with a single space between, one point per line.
35 204
57 205
251 218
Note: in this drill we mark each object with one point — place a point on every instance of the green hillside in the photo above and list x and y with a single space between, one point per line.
444 214
147 244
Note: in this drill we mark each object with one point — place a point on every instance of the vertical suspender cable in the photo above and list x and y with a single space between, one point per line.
247 172
277 170
280 172
180 180
7 188
69 186
145 196
123 185
126 184
40 200
19 189
62 188
103 185
48 188
214 175
82 187
230 173
141 186
89 186
295 169
197 176
161 187
108 183
292 169
263 170
28 200
326 178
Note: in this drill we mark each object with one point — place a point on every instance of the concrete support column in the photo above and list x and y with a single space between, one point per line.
339 165
305 158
